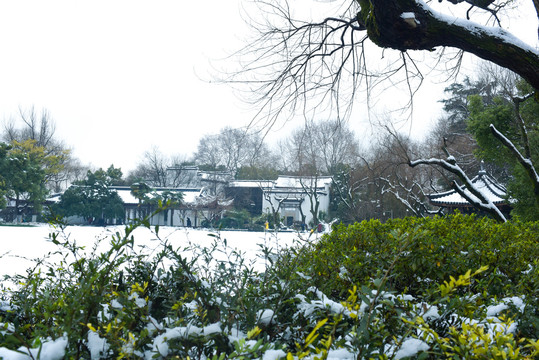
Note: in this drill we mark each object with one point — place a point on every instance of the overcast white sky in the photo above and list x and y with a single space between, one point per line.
119 76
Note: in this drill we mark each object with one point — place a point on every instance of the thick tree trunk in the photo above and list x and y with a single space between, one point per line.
411 25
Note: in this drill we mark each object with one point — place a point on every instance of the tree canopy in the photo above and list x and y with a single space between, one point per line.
24 168
518 125
40 130
4 148
230 149
92 198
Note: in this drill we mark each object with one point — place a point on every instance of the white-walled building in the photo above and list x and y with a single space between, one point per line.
297 197
195 207
292 200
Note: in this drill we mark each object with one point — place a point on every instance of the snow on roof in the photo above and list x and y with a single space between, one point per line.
189 195
126 196
299 182
222 176
251 183
287 198
54 198
493 191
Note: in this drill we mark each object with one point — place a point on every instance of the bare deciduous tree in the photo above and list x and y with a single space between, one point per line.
390 171
38 127
231 149
152 169
161 170
321 148
315 59
41 128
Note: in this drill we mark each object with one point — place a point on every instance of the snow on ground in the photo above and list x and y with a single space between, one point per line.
19 246
51 350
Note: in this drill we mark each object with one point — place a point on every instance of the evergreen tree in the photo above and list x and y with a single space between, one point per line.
517 121
457 104
93 198
24 171
4 148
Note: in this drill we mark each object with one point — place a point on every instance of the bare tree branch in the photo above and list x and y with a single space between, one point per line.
480 201
311 65
525 162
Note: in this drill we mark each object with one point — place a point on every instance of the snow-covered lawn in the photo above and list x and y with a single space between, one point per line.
19 246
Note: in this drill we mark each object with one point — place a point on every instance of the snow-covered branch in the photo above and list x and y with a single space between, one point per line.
412 200
525 162
479 200
517 100
346 190
428 29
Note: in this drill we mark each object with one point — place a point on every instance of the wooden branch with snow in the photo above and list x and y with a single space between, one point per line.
414 25
525 162
420 208
481 202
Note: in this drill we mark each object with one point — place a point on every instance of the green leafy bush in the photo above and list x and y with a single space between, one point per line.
459 287
426 252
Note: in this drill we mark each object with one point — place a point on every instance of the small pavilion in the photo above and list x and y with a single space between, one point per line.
492 190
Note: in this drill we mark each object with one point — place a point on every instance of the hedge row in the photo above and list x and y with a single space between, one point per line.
423 253
453 287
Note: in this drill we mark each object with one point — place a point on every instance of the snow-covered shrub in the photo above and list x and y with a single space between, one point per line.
436 248
370 290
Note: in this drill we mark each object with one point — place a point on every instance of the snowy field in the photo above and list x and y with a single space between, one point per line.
20 246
